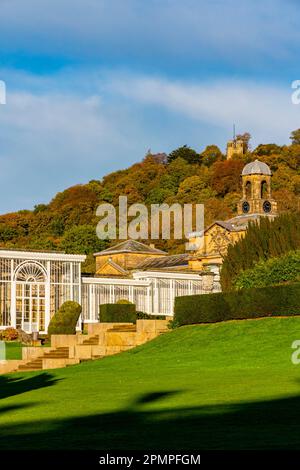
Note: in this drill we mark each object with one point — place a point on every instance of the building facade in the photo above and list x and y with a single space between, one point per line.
34 285
211 245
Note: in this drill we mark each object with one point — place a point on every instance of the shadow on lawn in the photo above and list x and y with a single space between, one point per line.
257 425
10 386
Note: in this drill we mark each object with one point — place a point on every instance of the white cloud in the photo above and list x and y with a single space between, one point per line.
59 130
51 140
265 110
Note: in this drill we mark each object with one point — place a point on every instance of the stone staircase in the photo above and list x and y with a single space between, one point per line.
103 339
36 364
61 354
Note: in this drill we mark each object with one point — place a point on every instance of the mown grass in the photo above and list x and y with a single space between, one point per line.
220 386
13 350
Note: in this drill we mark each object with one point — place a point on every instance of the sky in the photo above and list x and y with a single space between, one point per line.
92 85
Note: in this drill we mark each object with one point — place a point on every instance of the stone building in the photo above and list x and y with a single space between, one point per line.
122 258
256 202
234 147
33 285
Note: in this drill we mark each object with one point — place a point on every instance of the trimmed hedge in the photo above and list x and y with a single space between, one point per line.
64 321
117 313
238 305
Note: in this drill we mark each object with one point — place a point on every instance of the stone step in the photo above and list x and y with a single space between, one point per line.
33 365
56 353
124 327
35 362
93 341
121 329
56 356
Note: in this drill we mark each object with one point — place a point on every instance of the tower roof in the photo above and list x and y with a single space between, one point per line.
256 168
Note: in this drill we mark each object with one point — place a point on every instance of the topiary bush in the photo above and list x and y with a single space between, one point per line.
238 305
64 321
117 313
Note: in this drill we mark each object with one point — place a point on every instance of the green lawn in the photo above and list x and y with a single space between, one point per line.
222 386
13 350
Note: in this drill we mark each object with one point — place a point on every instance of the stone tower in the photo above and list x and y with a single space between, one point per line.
235 146
257 197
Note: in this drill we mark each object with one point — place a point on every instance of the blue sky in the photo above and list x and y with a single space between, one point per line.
93 84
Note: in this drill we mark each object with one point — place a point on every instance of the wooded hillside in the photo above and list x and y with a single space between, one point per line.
68 222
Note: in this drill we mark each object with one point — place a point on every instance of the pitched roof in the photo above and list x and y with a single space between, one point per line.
162 262
131 246
236 224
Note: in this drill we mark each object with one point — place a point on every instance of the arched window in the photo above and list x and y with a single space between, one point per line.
264 190
30 296
30 271
248 190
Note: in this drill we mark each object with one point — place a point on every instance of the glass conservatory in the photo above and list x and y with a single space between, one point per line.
152 292
34 285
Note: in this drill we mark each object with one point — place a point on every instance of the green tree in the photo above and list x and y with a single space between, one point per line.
185 152
7 233
57 226
40 208
262 241
82 239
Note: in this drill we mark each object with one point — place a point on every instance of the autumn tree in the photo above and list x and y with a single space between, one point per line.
194 190
226 176
267 149
246 139
295 137
210 155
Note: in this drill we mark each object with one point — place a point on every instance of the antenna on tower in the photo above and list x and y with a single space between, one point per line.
233 132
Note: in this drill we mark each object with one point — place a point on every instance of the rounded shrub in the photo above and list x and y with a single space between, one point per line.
64 321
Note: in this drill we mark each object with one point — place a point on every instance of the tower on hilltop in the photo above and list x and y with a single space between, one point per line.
234 147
